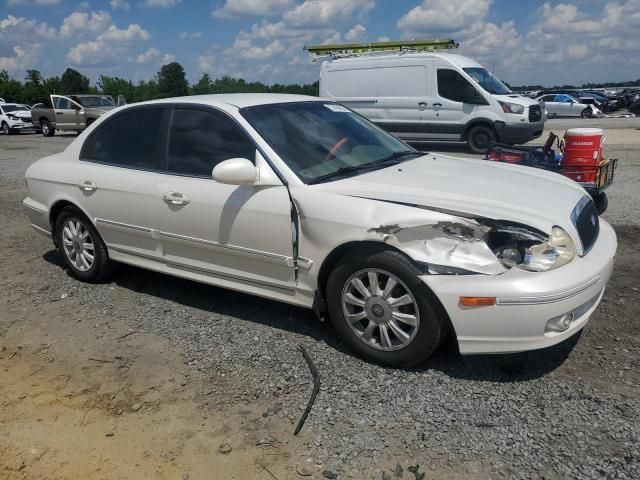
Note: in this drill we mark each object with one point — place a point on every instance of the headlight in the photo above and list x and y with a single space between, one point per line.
512 108
530 250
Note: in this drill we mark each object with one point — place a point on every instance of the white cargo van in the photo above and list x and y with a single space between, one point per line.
432 97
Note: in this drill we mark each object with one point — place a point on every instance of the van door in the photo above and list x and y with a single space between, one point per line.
402 100
355 88
448 111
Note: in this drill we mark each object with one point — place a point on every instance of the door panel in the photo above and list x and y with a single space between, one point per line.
68 114
402 97
356 89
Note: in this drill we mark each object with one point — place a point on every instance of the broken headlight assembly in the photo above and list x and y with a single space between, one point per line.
530 250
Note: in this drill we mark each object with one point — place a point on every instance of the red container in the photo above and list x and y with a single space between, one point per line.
582 154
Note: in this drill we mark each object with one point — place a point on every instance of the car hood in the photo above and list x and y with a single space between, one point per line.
22 114
515 98
469 187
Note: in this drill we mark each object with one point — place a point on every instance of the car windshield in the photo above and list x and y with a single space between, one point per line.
321 141
14 108
488 81
97 101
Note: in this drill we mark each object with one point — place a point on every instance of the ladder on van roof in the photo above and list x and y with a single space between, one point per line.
357 49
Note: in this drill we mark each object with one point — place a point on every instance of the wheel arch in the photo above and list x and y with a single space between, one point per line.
485 122
339 252
58 205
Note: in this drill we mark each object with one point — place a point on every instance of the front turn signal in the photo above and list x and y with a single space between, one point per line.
477 301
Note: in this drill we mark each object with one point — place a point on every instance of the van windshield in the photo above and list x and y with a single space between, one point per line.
488 81
324 141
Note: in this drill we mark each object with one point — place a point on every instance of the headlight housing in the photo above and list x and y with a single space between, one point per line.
512 108
530 250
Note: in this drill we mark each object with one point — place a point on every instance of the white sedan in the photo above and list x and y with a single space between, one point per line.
301 200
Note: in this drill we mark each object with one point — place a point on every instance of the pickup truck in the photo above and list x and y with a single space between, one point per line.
71 112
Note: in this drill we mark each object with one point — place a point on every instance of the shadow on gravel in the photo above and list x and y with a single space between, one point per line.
493 368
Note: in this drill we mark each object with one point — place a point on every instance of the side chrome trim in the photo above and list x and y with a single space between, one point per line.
123 225
210 243
282 258
209 273
557 297
41 231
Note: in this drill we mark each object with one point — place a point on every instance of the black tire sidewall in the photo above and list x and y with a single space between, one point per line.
431 329
96 272
480 129
5 129
47 129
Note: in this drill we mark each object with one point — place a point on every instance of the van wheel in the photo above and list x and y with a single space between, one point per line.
47 128
480 138
382 310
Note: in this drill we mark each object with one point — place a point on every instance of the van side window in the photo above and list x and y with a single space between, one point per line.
452 85
353 83
200 139
408 81
130 139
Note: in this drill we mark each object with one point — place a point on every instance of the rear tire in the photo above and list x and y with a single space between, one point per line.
408 312
480 138
80 244
47 129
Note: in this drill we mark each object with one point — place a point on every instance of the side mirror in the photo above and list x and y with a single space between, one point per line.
235 171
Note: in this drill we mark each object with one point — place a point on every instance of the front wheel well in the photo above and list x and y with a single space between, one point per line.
477 123
338 253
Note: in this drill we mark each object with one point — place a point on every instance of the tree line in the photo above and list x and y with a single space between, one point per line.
170 81
526 88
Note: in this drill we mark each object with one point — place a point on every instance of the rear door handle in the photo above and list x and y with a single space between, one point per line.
88 186
175 198
423 104
437 104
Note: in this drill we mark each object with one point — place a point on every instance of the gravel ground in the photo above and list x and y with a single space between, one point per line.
572 411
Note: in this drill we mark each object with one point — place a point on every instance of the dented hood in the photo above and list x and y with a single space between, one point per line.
480 188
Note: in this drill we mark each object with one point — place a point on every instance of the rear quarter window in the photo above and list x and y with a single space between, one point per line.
355 83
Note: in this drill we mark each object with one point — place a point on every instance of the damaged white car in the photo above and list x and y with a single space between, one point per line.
301 200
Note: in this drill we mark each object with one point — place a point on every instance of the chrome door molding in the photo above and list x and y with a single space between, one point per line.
275 257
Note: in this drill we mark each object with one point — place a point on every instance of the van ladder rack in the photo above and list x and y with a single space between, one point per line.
355 49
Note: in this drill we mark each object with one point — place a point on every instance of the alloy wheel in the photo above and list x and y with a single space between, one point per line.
380 309
78 244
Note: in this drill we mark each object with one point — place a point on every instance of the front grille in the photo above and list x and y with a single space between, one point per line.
585 219
535 113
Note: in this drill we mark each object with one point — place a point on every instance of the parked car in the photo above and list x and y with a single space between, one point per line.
15 118
73 112
302 200
432 97
606 103
561 105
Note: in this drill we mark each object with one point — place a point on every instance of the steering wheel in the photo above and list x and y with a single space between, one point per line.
336 148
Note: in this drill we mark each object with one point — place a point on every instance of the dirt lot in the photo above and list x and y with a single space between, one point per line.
147 376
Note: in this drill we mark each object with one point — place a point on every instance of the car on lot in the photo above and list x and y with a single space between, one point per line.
72 112
15 118
562 105
302 200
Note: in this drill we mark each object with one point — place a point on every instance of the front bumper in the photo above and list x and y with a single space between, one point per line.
518 133
526 301
21 126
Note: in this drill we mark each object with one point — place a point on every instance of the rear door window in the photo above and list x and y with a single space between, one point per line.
129 139
199 139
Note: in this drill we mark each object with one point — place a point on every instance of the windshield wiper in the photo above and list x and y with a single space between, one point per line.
392 159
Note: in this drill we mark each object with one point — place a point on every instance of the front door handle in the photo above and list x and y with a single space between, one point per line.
422 104
437 105
88 186
175 198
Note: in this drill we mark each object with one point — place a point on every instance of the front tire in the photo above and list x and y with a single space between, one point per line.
602 202
80 244
5 129
586 113
480 138
382 310
47 129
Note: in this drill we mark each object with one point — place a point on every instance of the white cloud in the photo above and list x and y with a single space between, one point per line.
33 2
129 34
261 8
206 62
441 15
161 3
189 35
120 4
24 58
320 13
148 55
167 58
356 33
79 23
111 46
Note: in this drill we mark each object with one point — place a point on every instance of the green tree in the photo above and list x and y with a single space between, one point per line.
115 86
34 77
10 89
203 86
172 81
73 82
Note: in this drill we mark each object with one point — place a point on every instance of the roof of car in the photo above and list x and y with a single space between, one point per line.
240 100
454 58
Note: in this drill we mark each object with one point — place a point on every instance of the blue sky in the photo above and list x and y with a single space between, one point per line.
527 42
